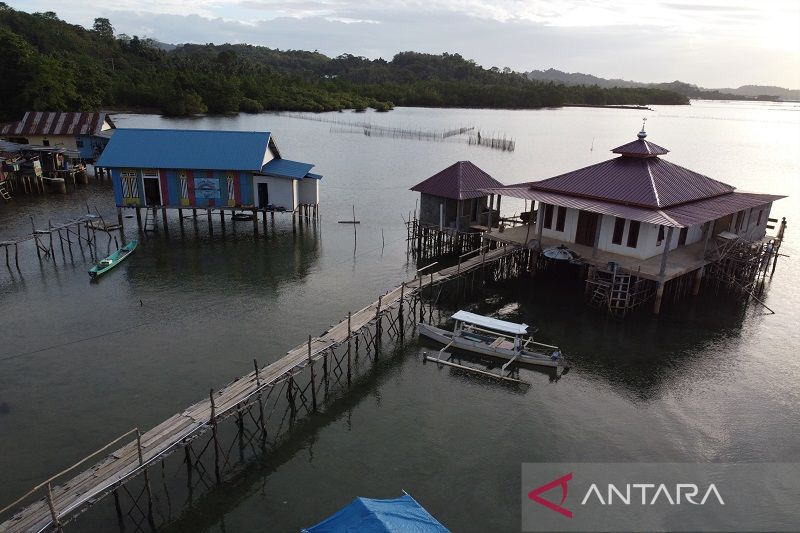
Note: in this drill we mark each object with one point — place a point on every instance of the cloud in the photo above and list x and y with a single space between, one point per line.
709 45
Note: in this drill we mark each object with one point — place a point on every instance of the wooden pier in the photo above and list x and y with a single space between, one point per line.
284 380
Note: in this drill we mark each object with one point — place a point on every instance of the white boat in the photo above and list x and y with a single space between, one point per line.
495 338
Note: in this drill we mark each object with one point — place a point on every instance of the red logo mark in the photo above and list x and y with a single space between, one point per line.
560 482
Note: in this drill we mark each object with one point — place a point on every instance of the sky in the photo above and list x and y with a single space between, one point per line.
711 43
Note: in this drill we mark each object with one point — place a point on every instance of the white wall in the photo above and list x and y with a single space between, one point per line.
60 141
308 191
281 191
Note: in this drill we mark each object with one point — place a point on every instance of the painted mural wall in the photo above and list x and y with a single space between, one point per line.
183 188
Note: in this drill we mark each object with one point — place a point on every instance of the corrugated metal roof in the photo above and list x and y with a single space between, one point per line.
57 123
640 148
459 181
286 168
314 176
645 182
189 149
714 208
680 216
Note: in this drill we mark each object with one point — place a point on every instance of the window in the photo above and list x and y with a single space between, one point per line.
184 187
150 173
130 184
548 216
619 229
561 217
45 142
660 238
682 236
760 212
739 221
79 143
633 234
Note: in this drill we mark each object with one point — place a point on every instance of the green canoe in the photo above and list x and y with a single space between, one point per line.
104 265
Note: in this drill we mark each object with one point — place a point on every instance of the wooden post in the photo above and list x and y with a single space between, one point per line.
139 217
666 251
349 336
400 310
118 508
213 422
707 231
180 217
222 220
16 255
164 218
659 296
313 380
53 513
698 278
261 423
119 216
210 225
255 221
491 210
146 476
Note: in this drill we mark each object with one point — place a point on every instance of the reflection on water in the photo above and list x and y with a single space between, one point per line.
709 380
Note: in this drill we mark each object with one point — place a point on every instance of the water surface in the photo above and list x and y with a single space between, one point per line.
710 380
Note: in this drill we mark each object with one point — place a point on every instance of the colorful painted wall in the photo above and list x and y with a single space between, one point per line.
182 188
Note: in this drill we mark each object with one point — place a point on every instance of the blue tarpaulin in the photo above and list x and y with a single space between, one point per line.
365 515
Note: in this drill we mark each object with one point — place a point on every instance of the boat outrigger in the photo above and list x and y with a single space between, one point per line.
104 265
495 338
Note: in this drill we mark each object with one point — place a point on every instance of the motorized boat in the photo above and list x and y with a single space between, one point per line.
495 338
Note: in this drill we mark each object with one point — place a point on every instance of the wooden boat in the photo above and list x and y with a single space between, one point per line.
495 338
104 265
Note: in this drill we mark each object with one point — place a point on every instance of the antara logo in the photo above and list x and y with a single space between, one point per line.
649 494
560 482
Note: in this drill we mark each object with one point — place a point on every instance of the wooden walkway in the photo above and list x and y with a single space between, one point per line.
126 463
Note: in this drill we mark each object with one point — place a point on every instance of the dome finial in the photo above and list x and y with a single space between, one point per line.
642 134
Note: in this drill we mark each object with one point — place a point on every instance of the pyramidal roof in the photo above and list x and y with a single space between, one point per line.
459 181
639 178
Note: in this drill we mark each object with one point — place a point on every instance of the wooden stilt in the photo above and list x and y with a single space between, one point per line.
54 515
313 380
261 425
213 422
349 337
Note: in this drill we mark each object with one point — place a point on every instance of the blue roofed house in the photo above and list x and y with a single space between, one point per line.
204 169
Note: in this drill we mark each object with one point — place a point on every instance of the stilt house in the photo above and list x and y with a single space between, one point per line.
198 168
453 198
85 133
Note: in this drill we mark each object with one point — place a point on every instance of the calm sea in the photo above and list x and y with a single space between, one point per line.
710 380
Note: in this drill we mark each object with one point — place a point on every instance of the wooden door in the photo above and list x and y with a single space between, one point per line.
587 225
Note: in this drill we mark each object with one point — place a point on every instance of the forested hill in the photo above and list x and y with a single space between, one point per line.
48 64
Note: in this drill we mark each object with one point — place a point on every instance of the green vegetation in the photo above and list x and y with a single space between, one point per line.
48 64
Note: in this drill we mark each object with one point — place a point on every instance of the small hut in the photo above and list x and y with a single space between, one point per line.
453 198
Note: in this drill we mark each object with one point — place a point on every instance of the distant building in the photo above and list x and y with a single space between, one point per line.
85 133
197 168
631 205
454 197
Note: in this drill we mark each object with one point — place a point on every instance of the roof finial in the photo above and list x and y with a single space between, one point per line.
642 134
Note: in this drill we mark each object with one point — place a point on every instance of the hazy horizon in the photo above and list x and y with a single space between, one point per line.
714 44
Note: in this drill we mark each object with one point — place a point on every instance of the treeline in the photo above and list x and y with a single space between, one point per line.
48 64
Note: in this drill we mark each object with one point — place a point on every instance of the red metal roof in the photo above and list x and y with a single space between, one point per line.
459 181
679 216
640 148
645 182
57 123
